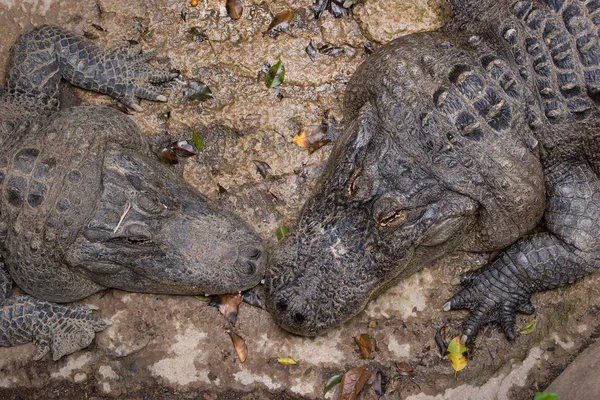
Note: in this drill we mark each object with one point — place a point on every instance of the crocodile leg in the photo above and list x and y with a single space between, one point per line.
62 330
543 261
45 54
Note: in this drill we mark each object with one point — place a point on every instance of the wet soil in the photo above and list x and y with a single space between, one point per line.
177 347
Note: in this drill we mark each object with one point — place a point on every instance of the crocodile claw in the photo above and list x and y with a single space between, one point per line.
491 297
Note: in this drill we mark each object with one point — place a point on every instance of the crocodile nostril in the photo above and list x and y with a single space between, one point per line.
282 305
299 318
254 254
248 268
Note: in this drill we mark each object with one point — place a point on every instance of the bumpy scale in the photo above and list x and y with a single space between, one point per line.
464 139
86 206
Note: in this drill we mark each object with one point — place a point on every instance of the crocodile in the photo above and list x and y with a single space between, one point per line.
85 205
481 136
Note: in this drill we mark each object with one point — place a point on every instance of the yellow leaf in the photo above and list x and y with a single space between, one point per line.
528 328
308 135
286 361
456 354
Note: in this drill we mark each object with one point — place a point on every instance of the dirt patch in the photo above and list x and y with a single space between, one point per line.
176 347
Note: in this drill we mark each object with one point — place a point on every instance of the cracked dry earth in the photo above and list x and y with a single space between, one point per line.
177 347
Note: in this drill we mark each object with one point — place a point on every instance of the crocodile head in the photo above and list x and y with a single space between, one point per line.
152 232
376 216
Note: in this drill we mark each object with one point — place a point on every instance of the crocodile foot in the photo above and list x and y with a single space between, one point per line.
492 295
51 327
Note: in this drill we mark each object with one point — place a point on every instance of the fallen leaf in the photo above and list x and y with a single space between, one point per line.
404 369
239 345
545 396
366 345
183 149
198 140
330 50
197 91
205 299
335 7
262 168
164 117
281 232
98 28
317 145
369 48
286 361
352 383
228 305
311 50
234 9
382 381
197 35
331 383
309 135
528 328
280 23
275 75
250 297
168 156
456 351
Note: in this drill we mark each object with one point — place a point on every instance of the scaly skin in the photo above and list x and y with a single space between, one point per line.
85 205
464 139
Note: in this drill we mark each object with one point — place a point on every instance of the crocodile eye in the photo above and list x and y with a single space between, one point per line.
360 186
150 205
392 219
353 181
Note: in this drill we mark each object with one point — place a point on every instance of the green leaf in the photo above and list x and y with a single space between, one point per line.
205 299
332 382
275 75
281 232
198 140
545 396
527 329
456 351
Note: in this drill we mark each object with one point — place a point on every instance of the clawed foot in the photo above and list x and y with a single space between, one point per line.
64 330
129 77
492 296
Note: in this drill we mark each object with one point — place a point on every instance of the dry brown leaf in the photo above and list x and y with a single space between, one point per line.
317 145
280 23
404 369
309 135
228 305
239 345
352 383
366 344
234 9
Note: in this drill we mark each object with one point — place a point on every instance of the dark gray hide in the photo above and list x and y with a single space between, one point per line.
463 139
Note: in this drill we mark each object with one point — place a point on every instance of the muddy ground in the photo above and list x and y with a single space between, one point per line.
177 347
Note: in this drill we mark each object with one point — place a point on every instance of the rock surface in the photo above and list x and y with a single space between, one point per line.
177 347
580 380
